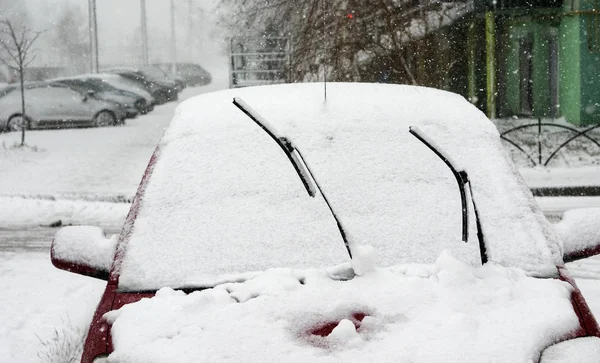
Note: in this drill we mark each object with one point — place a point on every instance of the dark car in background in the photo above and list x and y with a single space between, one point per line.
190 73
160 74
133 103
162 91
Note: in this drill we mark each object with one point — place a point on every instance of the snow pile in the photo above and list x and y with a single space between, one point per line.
561 177
40 301
223 198
363 259
581 350
579 229
18 211
85 245
446 312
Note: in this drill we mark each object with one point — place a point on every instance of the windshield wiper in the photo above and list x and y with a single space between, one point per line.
462 179
295 157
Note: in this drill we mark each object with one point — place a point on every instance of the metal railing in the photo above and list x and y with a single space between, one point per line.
575 134
258 61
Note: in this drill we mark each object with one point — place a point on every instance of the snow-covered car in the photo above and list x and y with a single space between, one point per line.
276 224
191 74
134 104
49 106
116 81
161 90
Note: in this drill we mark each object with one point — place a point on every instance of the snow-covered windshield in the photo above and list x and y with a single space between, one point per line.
223 199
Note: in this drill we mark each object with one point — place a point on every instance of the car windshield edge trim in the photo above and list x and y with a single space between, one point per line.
295 157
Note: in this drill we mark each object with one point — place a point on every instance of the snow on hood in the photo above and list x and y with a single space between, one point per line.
223 198
445 312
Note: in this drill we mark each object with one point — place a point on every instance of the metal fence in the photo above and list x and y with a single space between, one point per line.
258 60
539 157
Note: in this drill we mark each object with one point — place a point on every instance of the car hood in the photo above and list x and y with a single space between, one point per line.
443 312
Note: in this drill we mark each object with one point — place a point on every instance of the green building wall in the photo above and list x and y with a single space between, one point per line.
539 31
575 34
569 69
589 62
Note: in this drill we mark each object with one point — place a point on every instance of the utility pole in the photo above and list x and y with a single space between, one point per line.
93 34
173 41
144 33
490 55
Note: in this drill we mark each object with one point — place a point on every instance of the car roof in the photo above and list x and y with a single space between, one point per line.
221 198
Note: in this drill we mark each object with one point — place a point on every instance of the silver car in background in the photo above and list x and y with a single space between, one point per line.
119 82
57 107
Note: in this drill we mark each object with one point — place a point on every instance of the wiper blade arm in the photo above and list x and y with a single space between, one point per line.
295 157
282 141
462 178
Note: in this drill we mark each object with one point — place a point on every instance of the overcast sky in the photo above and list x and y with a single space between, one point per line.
119 33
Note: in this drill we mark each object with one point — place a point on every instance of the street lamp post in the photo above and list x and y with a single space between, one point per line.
93 33
173 41
144 32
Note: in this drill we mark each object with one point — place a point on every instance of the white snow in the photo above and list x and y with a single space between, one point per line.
561 177
86 162
581 350
38 300
363 259
560 204
579 229
446 312
43 305
235 204
85 245
75 175
27 211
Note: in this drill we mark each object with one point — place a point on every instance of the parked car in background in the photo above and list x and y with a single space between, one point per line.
164 75
232 252
162 91
190 73
51 106
98 89
121 83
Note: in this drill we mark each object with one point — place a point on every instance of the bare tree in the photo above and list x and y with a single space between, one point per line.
17 55
353 40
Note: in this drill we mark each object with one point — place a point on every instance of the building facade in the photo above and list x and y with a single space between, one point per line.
535 58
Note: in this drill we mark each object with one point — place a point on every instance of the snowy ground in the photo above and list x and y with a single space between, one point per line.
75 176
88 176
41 306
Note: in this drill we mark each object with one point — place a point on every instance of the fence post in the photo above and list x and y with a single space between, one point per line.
539 140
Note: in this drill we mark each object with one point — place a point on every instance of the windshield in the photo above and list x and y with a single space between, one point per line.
237 188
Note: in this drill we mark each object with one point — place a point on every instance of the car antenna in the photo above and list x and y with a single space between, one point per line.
295 157
324 52
462 178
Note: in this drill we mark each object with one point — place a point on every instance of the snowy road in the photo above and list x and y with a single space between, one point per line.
33 239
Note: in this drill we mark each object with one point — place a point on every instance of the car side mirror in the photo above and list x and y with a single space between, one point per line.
87 95
83 250
579 230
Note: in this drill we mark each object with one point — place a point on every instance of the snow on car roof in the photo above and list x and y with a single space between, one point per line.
444 312
223 198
